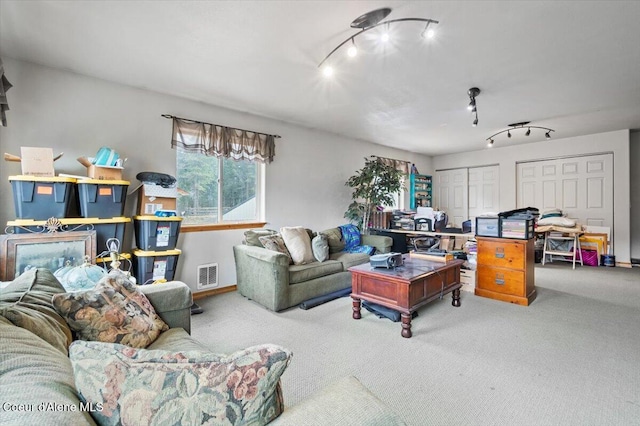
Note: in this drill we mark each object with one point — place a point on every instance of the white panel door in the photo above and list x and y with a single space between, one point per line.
582 187
484 191
452 195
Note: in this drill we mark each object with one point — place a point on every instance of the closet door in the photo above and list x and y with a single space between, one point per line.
484 191
582 187
452 195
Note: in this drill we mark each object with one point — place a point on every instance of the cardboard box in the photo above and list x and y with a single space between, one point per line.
152 198
447 243
101 172
468 280
35 161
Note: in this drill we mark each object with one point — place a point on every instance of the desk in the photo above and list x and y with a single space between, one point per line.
399 236
405 288
567 234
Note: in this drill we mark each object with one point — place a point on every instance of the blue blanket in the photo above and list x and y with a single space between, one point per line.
351 236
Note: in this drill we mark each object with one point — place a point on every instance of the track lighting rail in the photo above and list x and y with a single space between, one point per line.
388 22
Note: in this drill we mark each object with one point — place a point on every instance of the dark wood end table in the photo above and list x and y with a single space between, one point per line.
405 288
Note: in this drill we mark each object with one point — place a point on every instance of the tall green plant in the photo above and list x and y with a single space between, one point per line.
373 185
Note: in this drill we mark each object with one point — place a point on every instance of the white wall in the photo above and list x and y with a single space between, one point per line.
634 160
615 142
77 115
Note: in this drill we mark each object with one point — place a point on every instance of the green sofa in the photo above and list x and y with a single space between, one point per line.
37 380
266 277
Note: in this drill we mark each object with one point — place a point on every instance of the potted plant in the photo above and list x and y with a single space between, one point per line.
374 185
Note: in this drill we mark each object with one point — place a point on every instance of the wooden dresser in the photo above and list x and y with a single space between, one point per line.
506 270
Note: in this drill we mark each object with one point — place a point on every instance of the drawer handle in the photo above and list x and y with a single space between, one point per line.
499 279
500 255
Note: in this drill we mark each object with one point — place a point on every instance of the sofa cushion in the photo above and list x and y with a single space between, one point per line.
335 240
350 259
252 236
138 386
345 397
115 311
320 247
302 273
26 302
38 375
275 243
297 240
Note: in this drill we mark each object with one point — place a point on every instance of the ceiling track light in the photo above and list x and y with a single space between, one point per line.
371 20
473 92
353 50
516 126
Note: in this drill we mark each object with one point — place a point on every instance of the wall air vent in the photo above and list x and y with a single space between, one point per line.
207 276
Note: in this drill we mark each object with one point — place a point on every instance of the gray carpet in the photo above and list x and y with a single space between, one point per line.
571 358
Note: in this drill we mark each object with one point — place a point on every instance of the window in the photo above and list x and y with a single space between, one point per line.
215 190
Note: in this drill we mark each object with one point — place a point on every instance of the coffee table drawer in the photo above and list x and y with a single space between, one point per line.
501 280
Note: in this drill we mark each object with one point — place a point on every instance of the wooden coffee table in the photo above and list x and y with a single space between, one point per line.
405 288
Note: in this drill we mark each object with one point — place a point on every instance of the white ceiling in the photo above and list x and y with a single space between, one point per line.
572 66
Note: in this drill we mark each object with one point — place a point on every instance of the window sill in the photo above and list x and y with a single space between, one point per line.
221 226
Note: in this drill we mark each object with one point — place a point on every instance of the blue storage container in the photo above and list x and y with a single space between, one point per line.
156 233
41 197
102 199
150 266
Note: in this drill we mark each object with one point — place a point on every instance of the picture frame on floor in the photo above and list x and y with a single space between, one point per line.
21 252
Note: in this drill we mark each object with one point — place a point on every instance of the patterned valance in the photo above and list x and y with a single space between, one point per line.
221 141
4 104
403 166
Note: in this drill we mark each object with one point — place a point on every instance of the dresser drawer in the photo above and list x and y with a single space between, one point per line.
501 280
503 253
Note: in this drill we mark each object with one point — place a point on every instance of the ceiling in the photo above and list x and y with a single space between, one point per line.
571 66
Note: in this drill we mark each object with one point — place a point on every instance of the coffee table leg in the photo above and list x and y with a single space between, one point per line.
455 295
356 308
406 325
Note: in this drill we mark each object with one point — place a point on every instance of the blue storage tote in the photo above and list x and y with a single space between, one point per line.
102 199
105 228
150 266
41 197
156 233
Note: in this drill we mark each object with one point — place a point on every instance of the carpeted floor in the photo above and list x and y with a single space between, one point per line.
571 358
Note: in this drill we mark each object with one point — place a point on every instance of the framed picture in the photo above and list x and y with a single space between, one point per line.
21 252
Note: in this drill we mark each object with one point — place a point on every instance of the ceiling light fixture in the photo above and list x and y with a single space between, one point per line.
371 20
353 50
473 92
521 125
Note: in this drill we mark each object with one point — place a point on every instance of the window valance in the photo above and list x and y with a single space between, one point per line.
221 141
4 104
403 166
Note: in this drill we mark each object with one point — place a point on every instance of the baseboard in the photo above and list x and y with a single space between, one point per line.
206 293
624 264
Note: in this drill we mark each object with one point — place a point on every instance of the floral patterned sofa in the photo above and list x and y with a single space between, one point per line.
161 376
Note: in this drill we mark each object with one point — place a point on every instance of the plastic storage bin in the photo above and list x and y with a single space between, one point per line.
519 229
41 197
150 266
105 228
156 233
488 227
102 199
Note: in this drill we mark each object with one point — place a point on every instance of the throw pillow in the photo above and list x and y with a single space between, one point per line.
115 311
276 243
320 246
334 237
26 303
139 386
298 243
252 236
